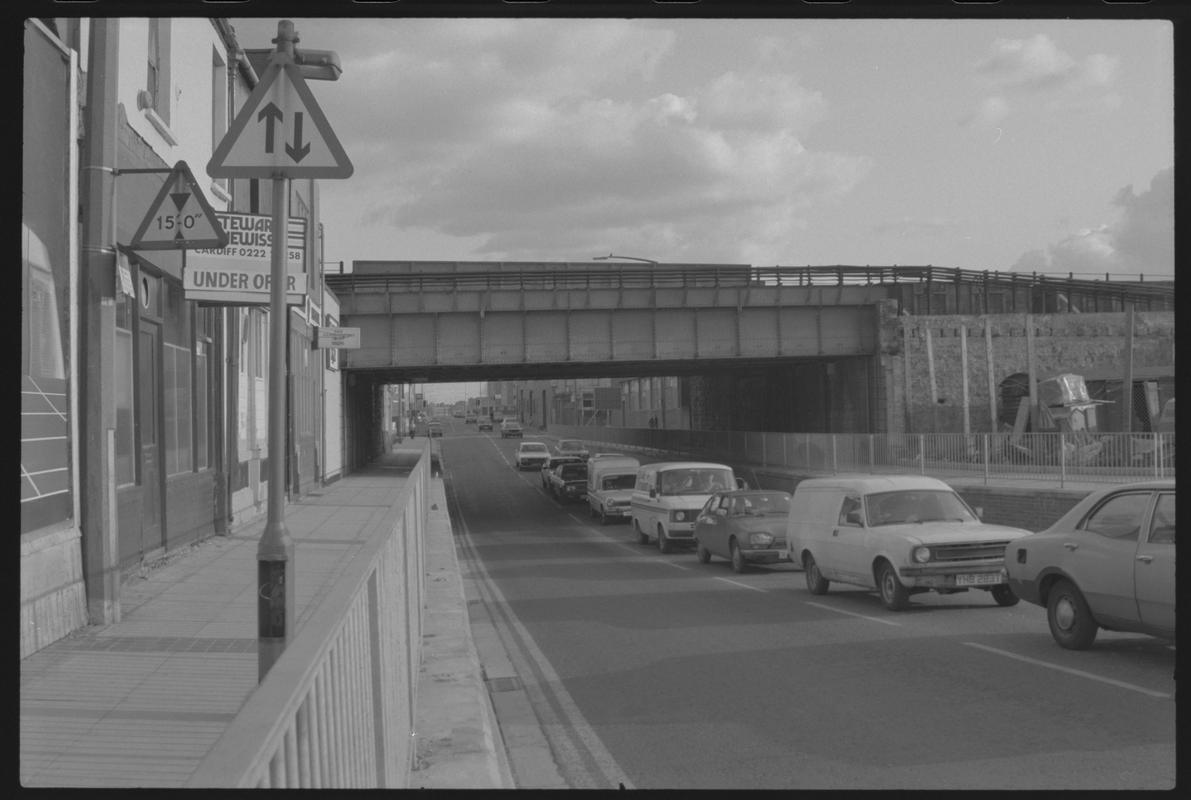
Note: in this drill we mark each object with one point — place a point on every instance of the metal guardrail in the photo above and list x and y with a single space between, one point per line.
1042 457
337 708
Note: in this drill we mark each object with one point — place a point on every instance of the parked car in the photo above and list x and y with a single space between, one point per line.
898 534
531 455
568 482
744 526
571 447
484 424
510 427
668 495
551 463
610 482
433 429
1106 563
470 419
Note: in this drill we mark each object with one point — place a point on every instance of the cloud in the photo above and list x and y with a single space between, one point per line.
1035 66
528 154
1140 242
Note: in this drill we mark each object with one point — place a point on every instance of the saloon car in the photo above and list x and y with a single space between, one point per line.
510 427
434 429
484 424
1107 563
571 447
745 527
898 534
551 463
531 455
568 482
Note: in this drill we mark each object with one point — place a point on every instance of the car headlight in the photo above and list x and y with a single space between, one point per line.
922 554
760 539
679 516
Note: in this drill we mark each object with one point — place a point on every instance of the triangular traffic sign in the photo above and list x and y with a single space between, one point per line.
280 132
179 217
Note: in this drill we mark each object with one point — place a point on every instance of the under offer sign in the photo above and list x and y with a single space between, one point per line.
240 272
327 337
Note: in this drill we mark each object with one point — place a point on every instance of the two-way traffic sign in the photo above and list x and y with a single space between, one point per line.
280 132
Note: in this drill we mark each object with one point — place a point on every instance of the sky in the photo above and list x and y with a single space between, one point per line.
1025 145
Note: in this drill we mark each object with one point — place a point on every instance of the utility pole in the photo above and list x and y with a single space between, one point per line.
268 140
98 329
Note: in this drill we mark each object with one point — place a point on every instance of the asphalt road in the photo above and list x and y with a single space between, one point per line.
657 671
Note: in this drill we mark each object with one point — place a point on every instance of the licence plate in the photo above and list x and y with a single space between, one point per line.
983 579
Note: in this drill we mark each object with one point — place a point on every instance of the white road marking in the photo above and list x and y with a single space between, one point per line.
852 614
1070 671
527 649
671 563
738 583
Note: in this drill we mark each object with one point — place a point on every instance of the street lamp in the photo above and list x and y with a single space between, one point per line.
630 258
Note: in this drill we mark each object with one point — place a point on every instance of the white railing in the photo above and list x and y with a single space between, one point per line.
1048 457
337 708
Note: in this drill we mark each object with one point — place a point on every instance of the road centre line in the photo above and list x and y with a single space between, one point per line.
738 583
853 614
1070 671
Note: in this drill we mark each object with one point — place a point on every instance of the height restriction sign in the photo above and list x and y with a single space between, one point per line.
280 132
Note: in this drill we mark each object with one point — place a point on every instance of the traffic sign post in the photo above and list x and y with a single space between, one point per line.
280 134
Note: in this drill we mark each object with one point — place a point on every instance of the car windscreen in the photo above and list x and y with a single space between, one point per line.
916 505
573 472
619 482
695 480
766 505
534 448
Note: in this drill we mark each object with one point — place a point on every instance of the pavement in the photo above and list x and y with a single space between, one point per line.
140 702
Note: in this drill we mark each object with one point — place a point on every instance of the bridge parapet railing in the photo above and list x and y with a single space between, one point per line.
337 708
1051 457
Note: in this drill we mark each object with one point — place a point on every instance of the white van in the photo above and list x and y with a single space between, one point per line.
898 534
610 482
668 496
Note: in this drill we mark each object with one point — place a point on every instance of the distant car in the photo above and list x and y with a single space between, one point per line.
898 534
434 429
745 527
470 419
568 482
510 427
484 424
531 455
571 447
553 462
1106 563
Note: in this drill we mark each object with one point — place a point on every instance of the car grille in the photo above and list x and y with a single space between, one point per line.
973 551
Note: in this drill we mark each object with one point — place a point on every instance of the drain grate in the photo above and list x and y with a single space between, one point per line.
504 684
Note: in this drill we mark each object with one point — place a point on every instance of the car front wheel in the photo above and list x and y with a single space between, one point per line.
703 554
663 541
1070 619
815 582
738 563
894 594
1004 595
642 536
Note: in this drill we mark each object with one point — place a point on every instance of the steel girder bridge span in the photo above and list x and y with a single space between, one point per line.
476 321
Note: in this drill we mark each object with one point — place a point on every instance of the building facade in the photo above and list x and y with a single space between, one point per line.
144 410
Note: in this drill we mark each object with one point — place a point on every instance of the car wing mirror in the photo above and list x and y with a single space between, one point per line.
741 483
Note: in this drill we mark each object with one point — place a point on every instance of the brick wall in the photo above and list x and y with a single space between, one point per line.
1032 509
1075 343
